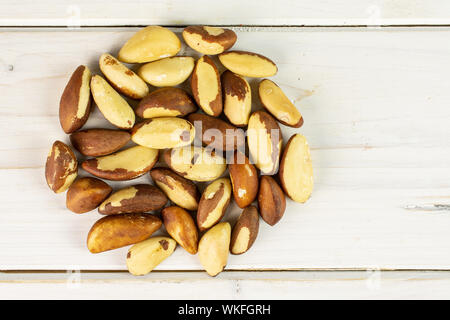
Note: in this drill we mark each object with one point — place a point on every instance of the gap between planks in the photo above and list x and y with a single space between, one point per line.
287 28
268 270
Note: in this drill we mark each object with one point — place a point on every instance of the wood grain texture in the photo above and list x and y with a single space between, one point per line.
232 12
376 114
228 285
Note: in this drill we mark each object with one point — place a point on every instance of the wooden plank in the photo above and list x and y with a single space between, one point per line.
228 285
233 12
376 110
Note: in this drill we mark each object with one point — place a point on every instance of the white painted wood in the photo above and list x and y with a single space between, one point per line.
377 119
231 12
228 285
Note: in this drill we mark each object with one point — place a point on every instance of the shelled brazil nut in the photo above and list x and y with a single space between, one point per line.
181 191
209 40
61 167
121 78
134 199
116 231
166 102
167 72
123 165
163 133
99 142
75 104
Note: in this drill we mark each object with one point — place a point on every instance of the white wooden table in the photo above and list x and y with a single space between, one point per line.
372 81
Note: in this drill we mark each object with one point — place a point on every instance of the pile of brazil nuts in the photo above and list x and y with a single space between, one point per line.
194 147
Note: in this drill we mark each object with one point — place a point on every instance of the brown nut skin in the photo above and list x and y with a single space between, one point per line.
296 170
271 200
86 194
128 164
214 248
209 40
61 167
248 64
216 133
263 128
134 199
237 98
75 103
179 190
99 142
213 203
206 88
166 102
116 231
244 179
180 225
245 231
278 105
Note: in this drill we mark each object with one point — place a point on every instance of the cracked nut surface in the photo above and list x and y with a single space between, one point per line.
149 44
167 72
217 134
179 190
163 133
114 108
209 40
214 247
244 179
206 88
116 231
248 64
245 231
75 103
61 167
195 163
181 226
296 171
134 199
99 142
271 200
237 98
123 165
264 142
86 194
213 203
144 256
275 101
166 102
121 78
